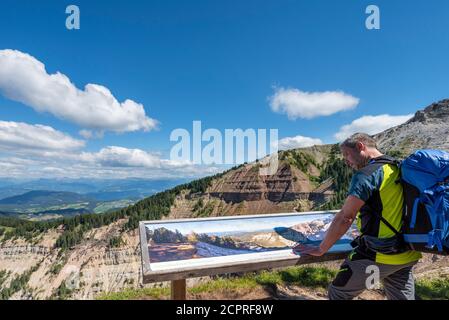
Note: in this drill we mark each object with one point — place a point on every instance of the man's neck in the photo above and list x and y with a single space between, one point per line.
372 154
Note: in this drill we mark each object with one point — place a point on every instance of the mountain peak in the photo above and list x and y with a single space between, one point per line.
437 110
427 129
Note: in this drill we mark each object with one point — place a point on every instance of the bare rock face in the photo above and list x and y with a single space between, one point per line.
88 269
436 111
23 249
428 129
246 184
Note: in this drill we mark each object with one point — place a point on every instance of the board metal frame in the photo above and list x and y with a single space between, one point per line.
175 271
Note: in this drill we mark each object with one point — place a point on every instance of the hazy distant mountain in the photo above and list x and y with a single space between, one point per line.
45 198
102 190
48 202
43 204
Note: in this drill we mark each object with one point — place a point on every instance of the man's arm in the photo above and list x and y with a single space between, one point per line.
339 226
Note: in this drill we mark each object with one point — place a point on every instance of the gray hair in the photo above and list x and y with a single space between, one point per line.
364 138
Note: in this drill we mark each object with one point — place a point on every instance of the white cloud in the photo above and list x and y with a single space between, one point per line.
37 151
109 162
19 135
86 134
297 142
114 156
371 125
89 134
23 78
299 104
37 145
122 157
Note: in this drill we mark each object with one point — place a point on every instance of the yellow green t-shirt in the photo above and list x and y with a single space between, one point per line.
377 186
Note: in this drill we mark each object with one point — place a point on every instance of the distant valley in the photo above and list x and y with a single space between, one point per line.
52 199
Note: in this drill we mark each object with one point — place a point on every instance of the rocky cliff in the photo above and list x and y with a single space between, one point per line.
429 128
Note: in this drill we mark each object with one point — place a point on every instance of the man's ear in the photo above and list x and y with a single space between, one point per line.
360 146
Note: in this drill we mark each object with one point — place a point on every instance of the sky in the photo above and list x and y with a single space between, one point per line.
243 225
102 101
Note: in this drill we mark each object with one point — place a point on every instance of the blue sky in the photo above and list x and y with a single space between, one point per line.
242 225
219 62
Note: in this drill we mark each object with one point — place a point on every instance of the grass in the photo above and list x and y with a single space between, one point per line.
303 276
223 284
435 289
135 294
313 277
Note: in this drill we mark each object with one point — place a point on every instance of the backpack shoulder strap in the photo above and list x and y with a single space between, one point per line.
396 232
372 166
386 160
375 163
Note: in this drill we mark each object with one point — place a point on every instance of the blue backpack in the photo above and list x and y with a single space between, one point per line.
425 178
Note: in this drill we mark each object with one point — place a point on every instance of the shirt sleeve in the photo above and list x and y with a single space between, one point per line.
363 186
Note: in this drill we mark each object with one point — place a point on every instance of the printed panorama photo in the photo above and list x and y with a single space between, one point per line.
185 240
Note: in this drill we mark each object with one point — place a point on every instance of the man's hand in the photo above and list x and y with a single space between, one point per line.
308 250
339 226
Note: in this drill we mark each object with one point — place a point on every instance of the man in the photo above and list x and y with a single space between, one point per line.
375 202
